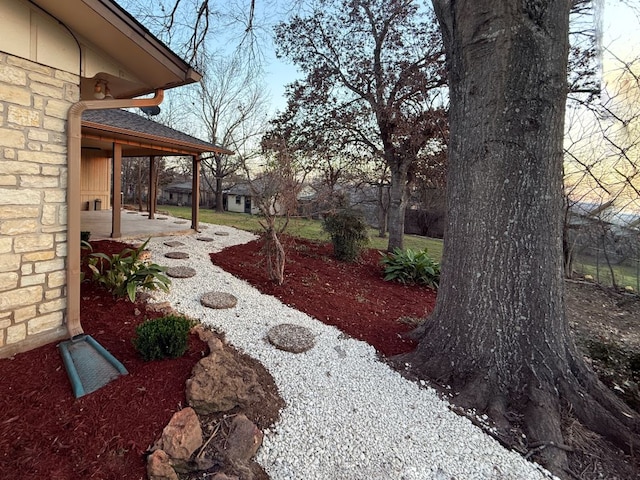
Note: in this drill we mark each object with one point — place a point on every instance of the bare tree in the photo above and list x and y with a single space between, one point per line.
275 188
373 72
233 109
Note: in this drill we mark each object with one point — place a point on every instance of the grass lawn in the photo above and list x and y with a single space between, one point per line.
301 227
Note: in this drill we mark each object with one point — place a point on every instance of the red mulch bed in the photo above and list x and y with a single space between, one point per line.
351 296
46 433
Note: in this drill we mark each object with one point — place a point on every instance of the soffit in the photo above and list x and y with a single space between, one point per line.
116 33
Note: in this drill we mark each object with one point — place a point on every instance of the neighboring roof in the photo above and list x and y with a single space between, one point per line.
107 125
179 187
107 25
240 189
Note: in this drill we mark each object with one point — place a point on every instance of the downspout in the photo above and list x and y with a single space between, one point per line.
74 148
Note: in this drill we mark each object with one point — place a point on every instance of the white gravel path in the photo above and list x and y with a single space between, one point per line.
347 416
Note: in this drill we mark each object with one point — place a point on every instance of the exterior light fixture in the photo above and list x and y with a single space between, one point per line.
98 92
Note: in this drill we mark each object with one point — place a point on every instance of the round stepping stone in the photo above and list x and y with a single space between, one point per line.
180 222
291 338
178 255
161 218
205 239
173 243
222 234
218 300
181 272
132 213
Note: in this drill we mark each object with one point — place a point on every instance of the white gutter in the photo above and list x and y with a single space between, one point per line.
74 149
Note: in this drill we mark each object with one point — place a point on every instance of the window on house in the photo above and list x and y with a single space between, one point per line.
238 200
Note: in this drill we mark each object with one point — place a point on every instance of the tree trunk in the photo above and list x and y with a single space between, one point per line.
398 198
383 210
498 334
219 199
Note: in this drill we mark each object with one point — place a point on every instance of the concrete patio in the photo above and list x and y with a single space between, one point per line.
134 225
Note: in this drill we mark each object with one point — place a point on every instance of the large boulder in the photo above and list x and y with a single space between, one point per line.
219 383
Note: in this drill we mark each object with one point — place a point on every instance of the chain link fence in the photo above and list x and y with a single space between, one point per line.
608 269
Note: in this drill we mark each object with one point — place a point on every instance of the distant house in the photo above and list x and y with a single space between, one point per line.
176 193
241 199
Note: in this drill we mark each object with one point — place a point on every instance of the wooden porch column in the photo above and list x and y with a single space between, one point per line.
195 192
151 197
116 189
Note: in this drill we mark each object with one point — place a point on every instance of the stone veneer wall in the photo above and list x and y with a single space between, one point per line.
34 100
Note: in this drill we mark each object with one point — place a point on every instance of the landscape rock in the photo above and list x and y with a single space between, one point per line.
159 466
291 338
243 441
224 476
182 436
220 383
205 239
163 308
207 336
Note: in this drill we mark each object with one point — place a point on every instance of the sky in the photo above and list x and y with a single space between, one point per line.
621 34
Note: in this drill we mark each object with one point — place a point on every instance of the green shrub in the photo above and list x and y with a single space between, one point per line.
411 267
348 232
84 236
165 337
123 273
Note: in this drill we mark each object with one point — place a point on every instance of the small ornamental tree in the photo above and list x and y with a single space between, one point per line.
276 191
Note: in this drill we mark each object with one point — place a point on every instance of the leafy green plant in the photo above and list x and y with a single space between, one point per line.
407 266
164 337
348 232
84 236
123 273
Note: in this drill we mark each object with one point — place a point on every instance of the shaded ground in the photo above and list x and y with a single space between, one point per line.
46 433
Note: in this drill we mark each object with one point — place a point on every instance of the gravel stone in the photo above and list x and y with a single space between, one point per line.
348 416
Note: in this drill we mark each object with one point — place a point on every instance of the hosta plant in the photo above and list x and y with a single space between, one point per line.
123 273
407 266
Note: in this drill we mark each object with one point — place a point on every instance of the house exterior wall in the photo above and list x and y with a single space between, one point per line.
95 178
233 206
34 100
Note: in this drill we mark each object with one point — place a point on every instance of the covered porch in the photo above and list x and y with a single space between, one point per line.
134 225
108 137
